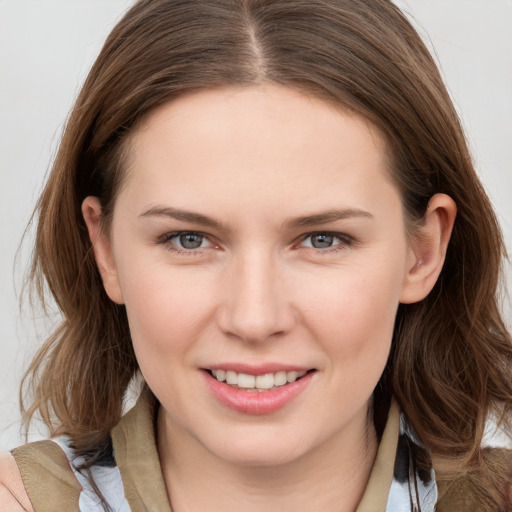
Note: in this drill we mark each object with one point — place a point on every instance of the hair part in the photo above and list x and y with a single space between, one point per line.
449 367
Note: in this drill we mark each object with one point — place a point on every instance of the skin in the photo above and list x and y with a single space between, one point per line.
13 497
256 160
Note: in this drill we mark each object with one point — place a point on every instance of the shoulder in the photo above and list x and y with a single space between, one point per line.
13 497
47 476
463 489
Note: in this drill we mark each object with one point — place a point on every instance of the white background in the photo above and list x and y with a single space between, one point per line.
46 49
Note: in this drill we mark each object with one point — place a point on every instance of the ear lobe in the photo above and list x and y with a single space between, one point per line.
428 249
91 211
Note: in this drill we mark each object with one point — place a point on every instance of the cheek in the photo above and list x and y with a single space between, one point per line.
167 310
353 314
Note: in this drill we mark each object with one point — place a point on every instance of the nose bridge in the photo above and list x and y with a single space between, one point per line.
256 306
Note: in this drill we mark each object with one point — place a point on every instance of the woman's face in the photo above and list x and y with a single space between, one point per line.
258 234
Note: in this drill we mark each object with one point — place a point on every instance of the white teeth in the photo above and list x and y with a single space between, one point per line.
265 381
259 382
280 379
246 381
231 377
291 376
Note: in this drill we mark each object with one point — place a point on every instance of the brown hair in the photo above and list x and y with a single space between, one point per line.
451 356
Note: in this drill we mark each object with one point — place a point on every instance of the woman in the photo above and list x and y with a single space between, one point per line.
269 209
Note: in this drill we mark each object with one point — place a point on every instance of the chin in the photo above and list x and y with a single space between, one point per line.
258 451
260 458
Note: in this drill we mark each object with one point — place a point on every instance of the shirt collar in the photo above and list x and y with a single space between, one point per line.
397 483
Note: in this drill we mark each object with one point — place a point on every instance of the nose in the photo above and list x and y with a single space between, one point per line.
256 304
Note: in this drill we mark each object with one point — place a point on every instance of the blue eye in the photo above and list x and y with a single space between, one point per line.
325 241
190 240
322 240
186 241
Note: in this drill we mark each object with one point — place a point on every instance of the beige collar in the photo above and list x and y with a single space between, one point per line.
136 455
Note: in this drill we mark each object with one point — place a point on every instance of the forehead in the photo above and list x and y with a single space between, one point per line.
266 141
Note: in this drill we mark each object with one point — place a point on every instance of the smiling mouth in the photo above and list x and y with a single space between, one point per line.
257 383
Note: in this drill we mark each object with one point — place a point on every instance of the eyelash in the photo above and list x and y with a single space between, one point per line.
165 240
344 242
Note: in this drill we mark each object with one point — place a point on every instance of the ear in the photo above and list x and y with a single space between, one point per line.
428 249
91 211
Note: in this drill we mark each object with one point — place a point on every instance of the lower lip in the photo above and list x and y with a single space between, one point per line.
256 402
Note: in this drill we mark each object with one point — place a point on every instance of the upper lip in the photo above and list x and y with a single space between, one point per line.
258 369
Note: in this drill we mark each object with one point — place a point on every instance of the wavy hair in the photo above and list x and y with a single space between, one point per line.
450 362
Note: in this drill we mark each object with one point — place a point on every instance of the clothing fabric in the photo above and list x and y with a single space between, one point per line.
131 480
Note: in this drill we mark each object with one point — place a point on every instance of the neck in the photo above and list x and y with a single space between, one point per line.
332 477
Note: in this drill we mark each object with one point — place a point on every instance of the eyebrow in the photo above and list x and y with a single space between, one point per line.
176 213
326 217
293 223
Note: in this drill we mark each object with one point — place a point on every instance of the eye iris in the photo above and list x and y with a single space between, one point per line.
191 240
322 241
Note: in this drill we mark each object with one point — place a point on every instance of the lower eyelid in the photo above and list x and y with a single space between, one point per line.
330 250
